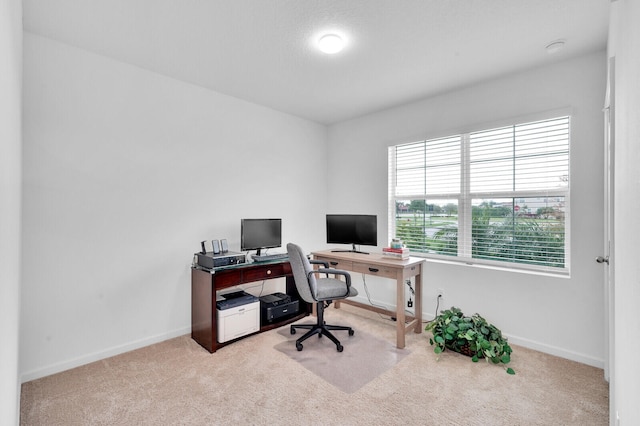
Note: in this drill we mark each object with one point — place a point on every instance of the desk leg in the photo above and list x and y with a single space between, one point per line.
400 317
418 303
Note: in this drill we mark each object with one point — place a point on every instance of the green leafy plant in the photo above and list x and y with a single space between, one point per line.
472 336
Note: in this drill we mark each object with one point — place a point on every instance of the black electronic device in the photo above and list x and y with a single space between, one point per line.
210 260
234 294
258 234
233 300
216 246
275 299
224 247
276 306
203 248
354 229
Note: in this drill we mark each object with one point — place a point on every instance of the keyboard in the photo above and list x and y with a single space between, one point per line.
267 257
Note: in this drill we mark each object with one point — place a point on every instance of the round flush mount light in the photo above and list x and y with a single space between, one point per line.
331 43
555 47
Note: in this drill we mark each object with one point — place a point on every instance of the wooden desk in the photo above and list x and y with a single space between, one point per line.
378 265
205 283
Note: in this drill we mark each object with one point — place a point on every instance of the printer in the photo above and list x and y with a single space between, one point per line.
238 315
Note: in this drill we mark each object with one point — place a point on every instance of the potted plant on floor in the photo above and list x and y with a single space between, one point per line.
472 336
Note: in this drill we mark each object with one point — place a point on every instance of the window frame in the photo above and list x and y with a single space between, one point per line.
465 198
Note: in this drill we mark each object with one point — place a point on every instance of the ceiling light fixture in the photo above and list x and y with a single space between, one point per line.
331 43
555 46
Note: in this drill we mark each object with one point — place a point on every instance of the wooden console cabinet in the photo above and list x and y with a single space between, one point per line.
205 283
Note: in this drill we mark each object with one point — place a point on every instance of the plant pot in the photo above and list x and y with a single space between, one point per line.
464 350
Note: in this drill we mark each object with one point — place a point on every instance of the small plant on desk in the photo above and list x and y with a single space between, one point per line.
472 336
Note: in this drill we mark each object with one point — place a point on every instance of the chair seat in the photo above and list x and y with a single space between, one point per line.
331 288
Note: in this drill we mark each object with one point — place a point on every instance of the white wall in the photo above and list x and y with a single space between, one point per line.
10 193
556 315
125 172
625 47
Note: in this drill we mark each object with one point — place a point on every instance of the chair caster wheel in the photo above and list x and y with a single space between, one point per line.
339 348
351 332
293 330
299 346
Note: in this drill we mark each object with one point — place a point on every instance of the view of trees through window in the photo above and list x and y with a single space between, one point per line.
524 230
497 195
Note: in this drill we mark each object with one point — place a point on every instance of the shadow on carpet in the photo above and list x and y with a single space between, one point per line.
364 358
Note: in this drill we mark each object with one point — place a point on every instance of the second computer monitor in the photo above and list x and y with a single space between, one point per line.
354 229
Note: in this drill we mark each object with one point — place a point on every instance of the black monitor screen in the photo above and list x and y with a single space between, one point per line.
256 234
352 229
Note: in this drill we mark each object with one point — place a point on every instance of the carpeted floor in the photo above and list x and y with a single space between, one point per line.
253 382
366 358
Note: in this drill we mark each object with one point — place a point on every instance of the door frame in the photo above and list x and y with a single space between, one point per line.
609 222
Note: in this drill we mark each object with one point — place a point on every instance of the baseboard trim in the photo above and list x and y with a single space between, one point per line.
97 356
527 343
117 350
555 351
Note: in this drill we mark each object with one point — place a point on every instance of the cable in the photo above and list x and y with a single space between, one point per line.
436 314
410 301
366 289
410 287
253 286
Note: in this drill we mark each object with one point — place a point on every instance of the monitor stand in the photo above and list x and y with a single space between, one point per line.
353 250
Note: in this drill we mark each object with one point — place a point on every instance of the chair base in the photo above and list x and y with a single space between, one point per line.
321 329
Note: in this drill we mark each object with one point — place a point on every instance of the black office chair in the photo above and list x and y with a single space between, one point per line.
320 291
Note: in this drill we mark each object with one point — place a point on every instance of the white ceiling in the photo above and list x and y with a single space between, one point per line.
264 51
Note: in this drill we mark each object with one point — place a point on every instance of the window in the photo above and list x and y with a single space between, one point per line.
497 196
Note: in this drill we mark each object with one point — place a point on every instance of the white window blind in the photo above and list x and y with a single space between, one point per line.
492 196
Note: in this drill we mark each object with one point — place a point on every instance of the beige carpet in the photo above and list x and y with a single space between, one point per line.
364 357
249 382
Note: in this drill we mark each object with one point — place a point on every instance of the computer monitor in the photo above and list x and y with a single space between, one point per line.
258 234
360 229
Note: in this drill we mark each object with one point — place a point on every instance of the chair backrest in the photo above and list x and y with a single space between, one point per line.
300 266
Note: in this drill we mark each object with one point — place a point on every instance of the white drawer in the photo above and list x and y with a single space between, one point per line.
239 321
